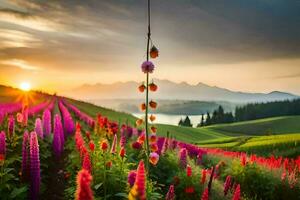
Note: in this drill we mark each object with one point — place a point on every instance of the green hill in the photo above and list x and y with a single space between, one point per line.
267 126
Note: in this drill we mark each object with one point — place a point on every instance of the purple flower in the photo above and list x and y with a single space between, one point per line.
11 126
47 122
114 144
122 140
35 176
25 156
171 194
69 126
147 67
38 128
183 157
2 146
58 136
131 178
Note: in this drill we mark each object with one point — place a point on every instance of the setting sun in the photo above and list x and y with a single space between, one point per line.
25 86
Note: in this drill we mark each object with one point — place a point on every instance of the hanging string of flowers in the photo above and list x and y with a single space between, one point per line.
148 68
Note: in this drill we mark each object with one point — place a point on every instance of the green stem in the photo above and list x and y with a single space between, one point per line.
104 178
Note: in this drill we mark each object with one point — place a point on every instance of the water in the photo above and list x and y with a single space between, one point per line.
172 119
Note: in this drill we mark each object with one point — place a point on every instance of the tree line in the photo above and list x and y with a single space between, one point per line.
249 111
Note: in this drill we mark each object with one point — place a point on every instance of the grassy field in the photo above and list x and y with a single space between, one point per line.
268 126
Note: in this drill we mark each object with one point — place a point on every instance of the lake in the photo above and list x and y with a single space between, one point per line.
172 119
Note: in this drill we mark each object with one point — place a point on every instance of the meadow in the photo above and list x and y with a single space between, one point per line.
60 148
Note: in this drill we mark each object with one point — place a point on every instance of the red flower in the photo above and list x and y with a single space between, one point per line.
104 145
189 190
109 164
203 177
189 171
92 145
227 185
83 191
139 188
86 164
205 195
122 152
136 145
237 193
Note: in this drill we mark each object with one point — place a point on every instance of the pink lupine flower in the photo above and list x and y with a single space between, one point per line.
237 193
2 147
227 184
122 140
147 67
183 157
114 145
25 156
139 188
171 193
34 166
47 122
58 137
11 126
38 128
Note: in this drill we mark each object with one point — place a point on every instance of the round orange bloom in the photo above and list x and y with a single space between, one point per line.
139 122
152 138
19 117
153 87
143 107
153 129
153 158
153 52
142 88
152 118
141 138
154 147
153 104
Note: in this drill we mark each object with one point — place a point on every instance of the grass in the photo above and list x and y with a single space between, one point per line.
267 126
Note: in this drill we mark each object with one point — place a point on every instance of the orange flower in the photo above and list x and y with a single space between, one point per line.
143 107
19 117
152 118
153 52
153 158
153 129
152 138
154 147
139 122
153 104
141 138
142 88
153 87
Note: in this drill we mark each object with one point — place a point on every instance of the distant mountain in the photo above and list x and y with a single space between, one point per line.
171 90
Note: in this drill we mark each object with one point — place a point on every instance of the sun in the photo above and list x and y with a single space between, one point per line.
25 86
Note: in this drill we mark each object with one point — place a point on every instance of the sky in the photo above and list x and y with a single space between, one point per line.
251 46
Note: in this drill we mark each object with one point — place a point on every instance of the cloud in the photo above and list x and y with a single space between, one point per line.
20 64
288 76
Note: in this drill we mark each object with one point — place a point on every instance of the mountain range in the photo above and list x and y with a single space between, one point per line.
175 91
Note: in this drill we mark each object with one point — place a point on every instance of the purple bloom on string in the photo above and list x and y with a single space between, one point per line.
38 128
35 176
25 156
47 122
147 67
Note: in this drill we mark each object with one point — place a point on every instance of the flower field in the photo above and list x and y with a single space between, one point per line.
51 149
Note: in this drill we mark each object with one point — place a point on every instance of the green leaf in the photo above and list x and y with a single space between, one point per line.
121 195
18 191
98 186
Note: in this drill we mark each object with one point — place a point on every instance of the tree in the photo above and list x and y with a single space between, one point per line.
208 120
201 121
187 122
180 123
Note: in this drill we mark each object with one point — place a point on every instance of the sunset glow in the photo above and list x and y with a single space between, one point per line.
25 86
